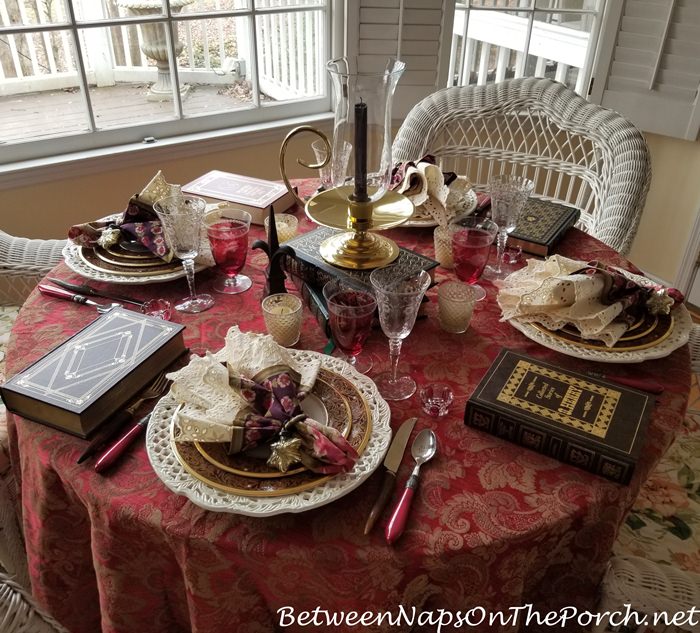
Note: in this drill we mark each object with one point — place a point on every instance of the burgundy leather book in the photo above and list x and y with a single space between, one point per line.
80 383
586 422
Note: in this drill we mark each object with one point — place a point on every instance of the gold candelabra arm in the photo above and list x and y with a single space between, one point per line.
283 153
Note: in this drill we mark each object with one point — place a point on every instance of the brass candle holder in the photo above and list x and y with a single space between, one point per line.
359 201
358 247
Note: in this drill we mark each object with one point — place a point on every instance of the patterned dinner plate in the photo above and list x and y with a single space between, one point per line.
218 490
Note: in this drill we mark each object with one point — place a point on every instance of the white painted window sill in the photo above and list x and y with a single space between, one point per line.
19 174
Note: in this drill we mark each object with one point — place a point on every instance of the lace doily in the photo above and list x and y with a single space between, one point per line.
176 478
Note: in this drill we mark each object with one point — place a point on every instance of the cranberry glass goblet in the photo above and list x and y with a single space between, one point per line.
228 238
351 311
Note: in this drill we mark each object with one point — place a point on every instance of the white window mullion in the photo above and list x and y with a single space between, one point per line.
82 76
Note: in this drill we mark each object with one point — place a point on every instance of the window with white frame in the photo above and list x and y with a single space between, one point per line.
493 40
80 74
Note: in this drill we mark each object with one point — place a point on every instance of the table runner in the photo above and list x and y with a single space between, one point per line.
493 525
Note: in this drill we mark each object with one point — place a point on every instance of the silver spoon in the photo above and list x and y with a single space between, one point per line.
423 449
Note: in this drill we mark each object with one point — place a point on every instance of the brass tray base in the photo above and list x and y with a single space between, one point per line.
331 208
358 249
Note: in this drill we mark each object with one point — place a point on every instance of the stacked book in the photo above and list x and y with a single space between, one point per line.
310 272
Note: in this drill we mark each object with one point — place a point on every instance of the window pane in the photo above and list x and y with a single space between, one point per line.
214 66
30 12
208 6
506 4
55 106
137 90
578 5
291 55
270 4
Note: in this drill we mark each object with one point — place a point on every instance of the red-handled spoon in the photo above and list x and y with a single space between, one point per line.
423 449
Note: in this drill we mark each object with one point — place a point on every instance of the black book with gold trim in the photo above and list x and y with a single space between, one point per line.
313 269
589 423
541 225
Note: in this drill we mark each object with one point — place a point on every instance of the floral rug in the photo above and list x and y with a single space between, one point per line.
664 524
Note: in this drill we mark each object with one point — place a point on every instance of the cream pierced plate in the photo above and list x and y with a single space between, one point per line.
176 477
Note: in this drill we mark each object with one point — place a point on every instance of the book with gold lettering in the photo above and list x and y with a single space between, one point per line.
586 422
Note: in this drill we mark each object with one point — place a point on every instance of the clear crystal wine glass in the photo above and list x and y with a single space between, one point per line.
399 295
181 217
509 194
350 314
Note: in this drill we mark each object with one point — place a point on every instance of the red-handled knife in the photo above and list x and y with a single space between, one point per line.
423 449
392 461
60 293
110 455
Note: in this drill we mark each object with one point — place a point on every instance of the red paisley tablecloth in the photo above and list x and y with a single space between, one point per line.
492 526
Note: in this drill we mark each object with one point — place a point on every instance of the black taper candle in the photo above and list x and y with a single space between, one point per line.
360 193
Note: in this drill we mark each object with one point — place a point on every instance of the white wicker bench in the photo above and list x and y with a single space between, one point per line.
576 152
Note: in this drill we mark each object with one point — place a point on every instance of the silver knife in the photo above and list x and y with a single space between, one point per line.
392 461
89 291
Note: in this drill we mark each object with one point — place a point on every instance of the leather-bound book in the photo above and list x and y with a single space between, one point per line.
586 422
541 226
96 372
313 269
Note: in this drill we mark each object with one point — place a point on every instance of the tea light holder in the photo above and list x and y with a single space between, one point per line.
442 239
283 314
456 302
286 225
436 399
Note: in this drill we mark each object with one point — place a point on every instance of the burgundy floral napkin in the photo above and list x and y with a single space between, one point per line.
139 222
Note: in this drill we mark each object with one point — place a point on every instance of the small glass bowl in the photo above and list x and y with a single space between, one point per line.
436 399
159 308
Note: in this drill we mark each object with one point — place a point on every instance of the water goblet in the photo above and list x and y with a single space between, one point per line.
351 311
181 219
228 238
399 295
472 237
509 194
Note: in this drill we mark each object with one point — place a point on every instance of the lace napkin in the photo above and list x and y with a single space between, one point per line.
423 183
599 301
253 399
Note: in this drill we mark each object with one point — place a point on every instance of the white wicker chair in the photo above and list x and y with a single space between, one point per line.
19 614
577 153
23 263
649 588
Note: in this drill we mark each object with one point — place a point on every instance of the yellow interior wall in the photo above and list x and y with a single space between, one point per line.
47 209
671 208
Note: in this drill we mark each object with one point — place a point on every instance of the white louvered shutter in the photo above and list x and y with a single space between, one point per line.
654 69
413 30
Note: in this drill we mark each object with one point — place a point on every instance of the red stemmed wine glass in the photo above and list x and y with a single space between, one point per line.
228 238
351 312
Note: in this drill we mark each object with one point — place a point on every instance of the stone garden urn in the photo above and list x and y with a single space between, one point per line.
154 43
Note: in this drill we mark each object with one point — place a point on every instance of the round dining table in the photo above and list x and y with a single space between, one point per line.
496 532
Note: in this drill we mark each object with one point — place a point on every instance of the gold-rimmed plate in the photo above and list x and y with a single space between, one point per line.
325 404
100 260
232 481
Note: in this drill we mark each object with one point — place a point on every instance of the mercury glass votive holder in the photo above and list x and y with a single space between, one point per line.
283 315
442 238
456 302
286 226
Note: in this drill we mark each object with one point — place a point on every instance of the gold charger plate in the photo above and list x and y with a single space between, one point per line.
106 262
338 415
647 332
202 469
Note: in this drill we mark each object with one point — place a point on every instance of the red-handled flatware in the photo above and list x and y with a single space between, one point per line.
392 461
60 293
116 450
423 449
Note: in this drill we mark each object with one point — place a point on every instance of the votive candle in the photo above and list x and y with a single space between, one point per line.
283 314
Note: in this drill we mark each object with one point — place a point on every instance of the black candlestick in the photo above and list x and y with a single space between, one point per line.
360 193
274 274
